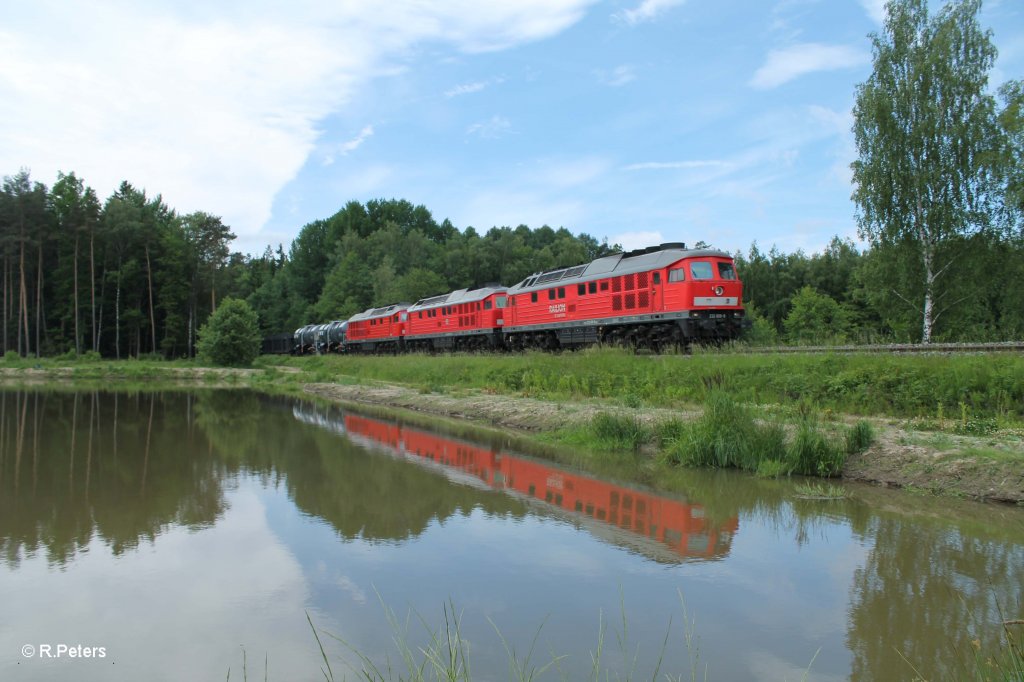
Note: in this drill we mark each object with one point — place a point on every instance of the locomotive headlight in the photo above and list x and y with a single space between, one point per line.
719 290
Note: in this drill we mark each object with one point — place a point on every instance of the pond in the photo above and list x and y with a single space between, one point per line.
196 535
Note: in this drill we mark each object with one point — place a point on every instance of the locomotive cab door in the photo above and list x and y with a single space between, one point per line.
657 287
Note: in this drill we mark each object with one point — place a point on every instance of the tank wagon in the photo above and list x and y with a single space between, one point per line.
661 296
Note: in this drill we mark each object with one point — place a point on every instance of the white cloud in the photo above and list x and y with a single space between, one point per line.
875 10
618 76
792 62
496 126
216 106
648 10
465 89
349 146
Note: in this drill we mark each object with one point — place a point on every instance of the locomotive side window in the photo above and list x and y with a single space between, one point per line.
657 278
676 275
581 289
726 271
604 285
487 305
551 294
561 292
592 287
701 270
533 297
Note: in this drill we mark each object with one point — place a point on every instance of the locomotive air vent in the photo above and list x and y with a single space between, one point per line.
672 245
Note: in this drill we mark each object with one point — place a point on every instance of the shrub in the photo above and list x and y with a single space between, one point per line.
814 317
231 336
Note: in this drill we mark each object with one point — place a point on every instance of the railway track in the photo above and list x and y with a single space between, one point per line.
1004 347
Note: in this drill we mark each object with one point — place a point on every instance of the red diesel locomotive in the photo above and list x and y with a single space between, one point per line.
661 296
376 330
467 319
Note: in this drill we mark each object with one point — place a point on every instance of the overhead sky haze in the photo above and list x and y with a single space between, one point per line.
639 121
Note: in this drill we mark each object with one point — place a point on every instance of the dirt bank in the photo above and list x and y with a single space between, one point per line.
985 468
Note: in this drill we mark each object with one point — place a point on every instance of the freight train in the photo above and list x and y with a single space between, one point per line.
654 298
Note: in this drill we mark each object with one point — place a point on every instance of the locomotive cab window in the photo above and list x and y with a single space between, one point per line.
726 271
487 305
501 301
676 275
656 278
701 270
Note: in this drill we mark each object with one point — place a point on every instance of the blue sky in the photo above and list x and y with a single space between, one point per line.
639 121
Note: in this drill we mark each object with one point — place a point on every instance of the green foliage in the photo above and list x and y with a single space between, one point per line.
231 337
622 432
859 438
729 435
816 319
925 127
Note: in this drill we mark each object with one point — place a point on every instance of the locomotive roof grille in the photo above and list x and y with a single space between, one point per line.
550 276
457 297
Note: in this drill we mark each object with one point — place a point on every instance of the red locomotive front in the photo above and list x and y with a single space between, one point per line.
653 297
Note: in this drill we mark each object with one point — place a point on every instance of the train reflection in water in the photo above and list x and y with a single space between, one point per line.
652 523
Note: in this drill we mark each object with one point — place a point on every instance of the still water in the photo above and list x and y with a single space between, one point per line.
177 536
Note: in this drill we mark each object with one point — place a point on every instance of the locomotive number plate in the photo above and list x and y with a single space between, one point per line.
714 300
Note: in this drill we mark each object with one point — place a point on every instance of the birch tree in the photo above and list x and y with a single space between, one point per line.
927 142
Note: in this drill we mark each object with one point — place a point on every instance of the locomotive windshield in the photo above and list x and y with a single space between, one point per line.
726 271
701 270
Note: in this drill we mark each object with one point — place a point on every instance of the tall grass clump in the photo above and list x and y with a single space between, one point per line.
812 452
729 435
614 431
859 438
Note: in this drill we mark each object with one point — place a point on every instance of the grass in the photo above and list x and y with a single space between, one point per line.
446 655
820 491
987 387
729 436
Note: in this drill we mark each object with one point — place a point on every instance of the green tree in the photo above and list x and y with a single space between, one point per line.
816 317
231 335
77 210
925 128
1011 120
